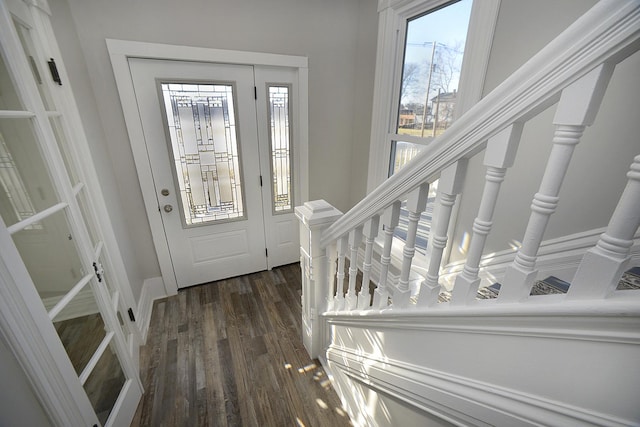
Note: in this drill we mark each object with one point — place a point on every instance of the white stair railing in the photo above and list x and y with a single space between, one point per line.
574 69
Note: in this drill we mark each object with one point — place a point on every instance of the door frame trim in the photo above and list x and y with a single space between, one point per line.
121 50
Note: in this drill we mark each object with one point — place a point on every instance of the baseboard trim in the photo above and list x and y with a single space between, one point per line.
462 401
152 289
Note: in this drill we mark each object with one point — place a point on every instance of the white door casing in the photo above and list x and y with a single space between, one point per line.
290 70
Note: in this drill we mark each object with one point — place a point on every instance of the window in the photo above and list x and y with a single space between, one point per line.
433 50
424 82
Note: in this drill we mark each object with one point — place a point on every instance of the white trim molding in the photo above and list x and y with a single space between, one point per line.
152 289
452 365
121 50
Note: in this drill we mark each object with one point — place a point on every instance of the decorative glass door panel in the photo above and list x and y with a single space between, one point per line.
279 120
204 142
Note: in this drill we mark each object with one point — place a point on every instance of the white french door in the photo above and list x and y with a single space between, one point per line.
219 143
46 223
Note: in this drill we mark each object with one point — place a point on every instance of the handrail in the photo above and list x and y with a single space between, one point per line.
608 32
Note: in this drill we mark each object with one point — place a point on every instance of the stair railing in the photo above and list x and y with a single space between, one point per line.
573 70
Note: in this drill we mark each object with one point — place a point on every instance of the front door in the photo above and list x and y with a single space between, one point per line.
200 123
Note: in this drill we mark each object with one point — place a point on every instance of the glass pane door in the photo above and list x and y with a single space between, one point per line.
39 185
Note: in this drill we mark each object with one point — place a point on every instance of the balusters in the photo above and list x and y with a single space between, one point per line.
449 187
390 220
416 204
355 238
333 289
603 265
339 303
500 154
578 106
370 232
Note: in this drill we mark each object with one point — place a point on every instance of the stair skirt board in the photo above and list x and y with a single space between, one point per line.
427 393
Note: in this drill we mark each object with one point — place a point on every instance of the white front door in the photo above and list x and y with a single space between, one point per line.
200 123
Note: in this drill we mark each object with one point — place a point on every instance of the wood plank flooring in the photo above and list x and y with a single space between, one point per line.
230 353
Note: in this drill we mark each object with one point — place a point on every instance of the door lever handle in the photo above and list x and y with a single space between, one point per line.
168 208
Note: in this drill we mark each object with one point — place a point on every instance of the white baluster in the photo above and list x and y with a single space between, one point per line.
500 154
332 255
416 204
603 265
355 238
340 303
390 220
578 106
449 186
370 232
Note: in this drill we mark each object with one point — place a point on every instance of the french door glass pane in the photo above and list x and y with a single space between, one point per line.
80 328
104 384
434 47
25 184
9 99
202 129
63 145
49 253
280 145
34 62
83 202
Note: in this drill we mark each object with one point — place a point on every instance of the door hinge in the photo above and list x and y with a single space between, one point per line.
98 270
131 316
266 252
54 71
260 180
255 92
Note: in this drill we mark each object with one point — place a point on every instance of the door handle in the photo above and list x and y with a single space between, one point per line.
168 208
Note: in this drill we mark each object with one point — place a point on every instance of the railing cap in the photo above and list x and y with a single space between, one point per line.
317 212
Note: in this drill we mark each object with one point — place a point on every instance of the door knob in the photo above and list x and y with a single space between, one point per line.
164 192
168 208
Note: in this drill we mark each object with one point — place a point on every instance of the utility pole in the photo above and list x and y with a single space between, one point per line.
435 116
426 98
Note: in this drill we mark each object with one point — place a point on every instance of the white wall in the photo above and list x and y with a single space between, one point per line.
596 176
337 36
19 405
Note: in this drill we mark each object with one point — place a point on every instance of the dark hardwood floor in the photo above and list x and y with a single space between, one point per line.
230 353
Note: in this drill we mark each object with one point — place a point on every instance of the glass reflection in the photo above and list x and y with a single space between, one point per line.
25 184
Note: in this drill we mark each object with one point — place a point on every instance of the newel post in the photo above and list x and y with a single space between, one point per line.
317 289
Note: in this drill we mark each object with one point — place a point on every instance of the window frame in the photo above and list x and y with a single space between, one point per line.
392 28
393 18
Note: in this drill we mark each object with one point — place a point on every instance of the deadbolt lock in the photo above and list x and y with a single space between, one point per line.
164 192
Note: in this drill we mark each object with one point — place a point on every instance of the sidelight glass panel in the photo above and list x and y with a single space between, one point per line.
80 328
105 383
280 147
204 141
25 185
